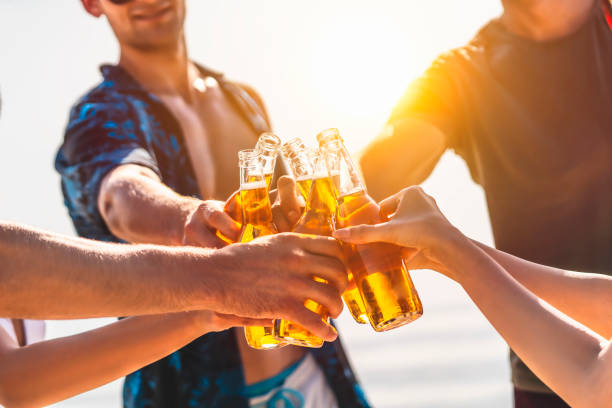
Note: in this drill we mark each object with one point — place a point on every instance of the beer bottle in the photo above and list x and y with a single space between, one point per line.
317 219
267 147
378 270
257 221
300 161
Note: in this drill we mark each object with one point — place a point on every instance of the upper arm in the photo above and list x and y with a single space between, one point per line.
423 124
404 154
100 137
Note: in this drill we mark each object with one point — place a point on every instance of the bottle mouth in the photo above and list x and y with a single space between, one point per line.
248 157
328 135
268 141
293 148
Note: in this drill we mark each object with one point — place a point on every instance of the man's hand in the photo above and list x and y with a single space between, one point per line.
214 322
289 206
272 277
204 221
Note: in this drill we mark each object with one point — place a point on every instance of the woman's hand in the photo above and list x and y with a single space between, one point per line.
416 224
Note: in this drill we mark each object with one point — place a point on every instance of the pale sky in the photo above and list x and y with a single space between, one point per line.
317 64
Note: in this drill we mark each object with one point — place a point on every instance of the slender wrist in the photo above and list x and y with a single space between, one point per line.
450 249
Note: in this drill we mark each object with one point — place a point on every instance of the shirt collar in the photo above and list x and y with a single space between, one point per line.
118 78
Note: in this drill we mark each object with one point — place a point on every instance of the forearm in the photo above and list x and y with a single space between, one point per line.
585 297
138 208
60 368
403 154
48 276
561 351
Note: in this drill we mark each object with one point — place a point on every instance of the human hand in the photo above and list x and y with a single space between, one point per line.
272 277
416 223
289 205
203 222
214 322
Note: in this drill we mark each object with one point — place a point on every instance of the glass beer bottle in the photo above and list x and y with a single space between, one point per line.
300 162
267 147
317 220
387 291
257 221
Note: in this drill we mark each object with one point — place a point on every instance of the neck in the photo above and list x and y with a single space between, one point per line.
161 71
545 20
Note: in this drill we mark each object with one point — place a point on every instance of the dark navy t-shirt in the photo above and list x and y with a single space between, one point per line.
533 121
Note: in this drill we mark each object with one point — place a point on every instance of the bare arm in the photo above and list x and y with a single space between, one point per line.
570 358
52 276
60 368
137 207
404 154
585 297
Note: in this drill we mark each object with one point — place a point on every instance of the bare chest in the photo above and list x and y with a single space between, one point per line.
213 131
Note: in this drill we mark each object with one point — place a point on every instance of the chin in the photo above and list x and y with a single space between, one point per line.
156 37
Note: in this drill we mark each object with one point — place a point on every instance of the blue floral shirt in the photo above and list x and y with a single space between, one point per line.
118 122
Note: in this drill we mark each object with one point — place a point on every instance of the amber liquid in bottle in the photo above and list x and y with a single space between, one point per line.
303 185
233 208
387 291
317 220
257 216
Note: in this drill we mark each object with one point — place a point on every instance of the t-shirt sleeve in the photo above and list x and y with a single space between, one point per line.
100 136
433 98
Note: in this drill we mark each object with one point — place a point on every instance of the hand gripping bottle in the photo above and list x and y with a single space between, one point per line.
257 222
267 147
377 269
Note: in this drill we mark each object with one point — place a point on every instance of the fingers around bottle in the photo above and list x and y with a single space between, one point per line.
280 220
219 220
330 269
318 245
289 200
325 295
222 321
313 322
363 234
389 205
197 234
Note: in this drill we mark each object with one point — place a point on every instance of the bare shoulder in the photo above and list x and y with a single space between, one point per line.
256 97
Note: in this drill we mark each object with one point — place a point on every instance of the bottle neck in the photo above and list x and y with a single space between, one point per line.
341 168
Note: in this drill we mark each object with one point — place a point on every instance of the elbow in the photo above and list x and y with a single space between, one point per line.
113 204
596 391
108 206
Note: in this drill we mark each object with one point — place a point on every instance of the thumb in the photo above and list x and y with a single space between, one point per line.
289 200
363 234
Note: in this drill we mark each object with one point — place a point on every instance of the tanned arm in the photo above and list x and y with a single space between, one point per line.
50 276
572 359
404 154
47 276
585 297
60 368
137 207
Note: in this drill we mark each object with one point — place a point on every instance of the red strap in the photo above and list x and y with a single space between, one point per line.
607 6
